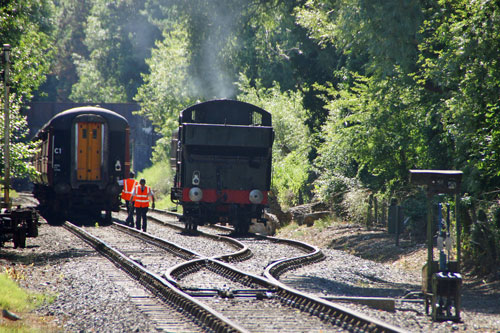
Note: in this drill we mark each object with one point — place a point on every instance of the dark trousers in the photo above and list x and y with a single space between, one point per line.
141 215
130 212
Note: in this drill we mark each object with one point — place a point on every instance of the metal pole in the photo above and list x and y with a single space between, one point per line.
459 228
397 224
6 53
430 229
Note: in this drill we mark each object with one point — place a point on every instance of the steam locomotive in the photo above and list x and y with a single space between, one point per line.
83 153
221 154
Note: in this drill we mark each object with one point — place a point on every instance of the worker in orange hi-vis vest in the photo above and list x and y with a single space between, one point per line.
128 186
141 195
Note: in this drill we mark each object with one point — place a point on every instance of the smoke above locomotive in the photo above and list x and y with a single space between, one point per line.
221 154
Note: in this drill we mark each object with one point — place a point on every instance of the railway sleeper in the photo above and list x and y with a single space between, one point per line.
259 294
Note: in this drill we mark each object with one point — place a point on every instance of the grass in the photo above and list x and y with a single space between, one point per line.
11 296
21 302
319 224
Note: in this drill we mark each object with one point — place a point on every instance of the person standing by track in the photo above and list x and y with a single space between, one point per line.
141 196
128 186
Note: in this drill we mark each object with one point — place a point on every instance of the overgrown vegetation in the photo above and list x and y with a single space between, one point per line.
159 177
360 91
19 302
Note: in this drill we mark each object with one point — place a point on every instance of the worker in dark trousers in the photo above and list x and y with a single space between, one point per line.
142 195
128 186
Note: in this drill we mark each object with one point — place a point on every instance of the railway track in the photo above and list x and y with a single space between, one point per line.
204 317
236 300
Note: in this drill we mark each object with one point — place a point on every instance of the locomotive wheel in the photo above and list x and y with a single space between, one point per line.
33 228
107 219
19 238
53 218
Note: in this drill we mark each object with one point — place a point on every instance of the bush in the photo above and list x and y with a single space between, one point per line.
289 179
292 142
415 209
482 245
160 178
332 188
355 205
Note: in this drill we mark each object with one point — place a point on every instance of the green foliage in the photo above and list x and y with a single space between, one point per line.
14 298
355 205
119 39
168 89
11 296
331 187
415 209
290 176
381 33
70 18
209 28
482 249
460 73
373 133
159 177
92 86
25 25
292 141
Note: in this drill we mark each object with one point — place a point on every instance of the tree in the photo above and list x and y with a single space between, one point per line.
460 74
292 143
119 38
168 88
69 34
376 36
25 25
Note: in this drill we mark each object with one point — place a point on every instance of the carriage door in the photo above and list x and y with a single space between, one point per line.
89 151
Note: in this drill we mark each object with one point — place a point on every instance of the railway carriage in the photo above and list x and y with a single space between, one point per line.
83 153
222 162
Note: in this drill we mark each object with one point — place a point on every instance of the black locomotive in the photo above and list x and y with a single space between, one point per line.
83 153
222 163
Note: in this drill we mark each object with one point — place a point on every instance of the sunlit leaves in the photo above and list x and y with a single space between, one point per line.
119 38
168 88
26 26
461 64
292 143
385 32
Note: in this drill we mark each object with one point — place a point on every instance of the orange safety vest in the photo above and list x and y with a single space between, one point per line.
128 186
141 197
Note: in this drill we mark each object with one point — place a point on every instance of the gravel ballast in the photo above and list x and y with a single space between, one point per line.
92 295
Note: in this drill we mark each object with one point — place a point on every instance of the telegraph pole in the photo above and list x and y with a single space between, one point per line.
6 54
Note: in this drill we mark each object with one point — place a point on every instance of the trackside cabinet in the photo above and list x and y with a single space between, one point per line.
441 278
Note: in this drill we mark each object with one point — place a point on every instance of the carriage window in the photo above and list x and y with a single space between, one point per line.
256 118
84 133
94 134
193 115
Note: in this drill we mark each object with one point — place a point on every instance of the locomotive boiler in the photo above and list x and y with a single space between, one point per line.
83 153
221 154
